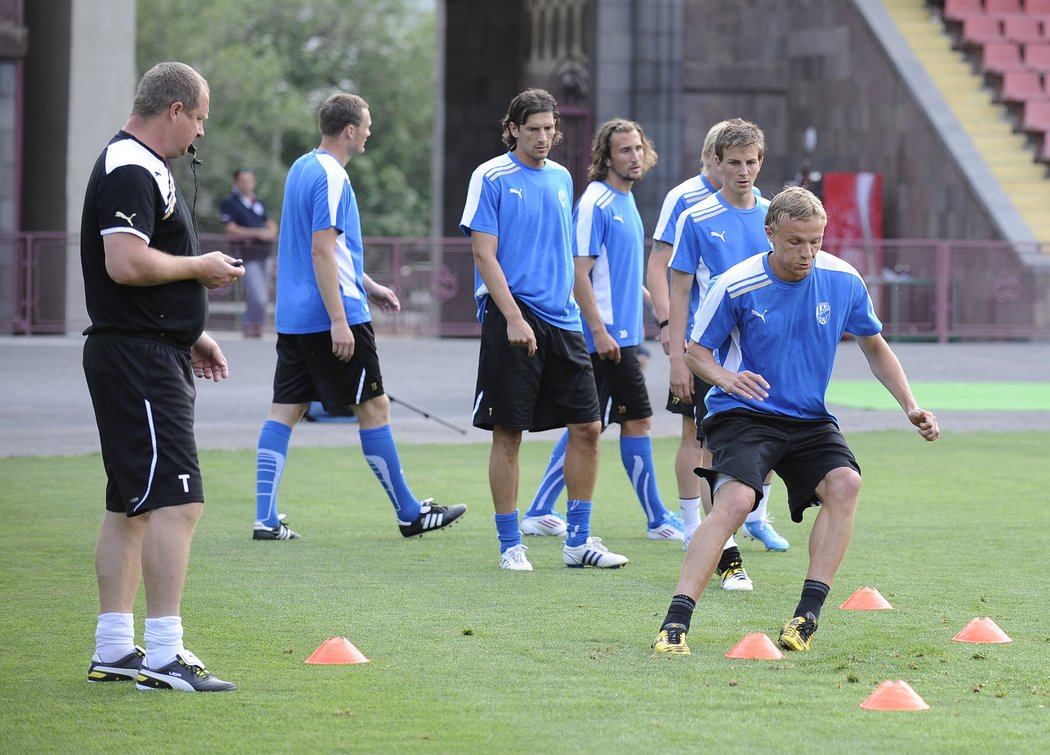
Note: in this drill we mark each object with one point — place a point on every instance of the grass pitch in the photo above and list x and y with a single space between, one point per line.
468 658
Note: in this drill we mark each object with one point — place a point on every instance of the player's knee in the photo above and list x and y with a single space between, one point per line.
587 433
841 487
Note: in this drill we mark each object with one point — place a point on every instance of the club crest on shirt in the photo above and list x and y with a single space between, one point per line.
563 198
823 313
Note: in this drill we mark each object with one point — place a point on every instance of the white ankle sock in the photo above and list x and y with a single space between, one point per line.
163 637
690 508
759 514
114 636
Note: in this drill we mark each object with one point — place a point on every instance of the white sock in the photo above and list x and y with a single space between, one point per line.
730 543
759 514
114 636
163 640
690 508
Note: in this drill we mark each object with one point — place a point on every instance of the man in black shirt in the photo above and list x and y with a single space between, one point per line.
145 281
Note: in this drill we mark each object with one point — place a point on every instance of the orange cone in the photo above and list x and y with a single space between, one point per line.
757 646
865 599
337 650
982 630
894 695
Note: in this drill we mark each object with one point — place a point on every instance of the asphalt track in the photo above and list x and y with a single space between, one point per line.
48 411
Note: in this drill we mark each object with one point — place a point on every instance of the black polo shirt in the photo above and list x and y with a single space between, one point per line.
132 190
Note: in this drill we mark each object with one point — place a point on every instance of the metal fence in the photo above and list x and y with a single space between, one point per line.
922 289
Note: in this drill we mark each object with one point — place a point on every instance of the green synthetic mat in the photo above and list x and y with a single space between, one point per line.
938 396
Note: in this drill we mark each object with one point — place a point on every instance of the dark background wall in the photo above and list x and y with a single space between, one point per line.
785 64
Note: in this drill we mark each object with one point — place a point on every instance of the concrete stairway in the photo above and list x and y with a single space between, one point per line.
986 123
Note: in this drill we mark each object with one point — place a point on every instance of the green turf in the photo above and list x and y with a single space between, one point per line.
468 658
940 396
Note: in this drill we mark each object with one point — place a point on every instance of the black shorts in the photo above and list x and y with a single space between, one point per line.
143 394
746 445
553 388
688 408
307 370
622 393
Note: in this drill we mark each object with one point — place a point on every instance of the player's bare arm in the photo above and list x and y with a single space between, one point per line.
605 345
381 296
659 290
130 261
887 368
681 379
326 270
519 332
747 384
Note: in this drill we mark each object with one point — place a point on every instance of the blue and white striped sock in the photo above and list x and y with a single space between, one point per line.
636 453
377 444
553 481
578 516
269 466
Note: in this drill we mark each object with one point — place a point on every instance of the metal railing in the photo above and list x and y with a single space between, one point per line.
922 289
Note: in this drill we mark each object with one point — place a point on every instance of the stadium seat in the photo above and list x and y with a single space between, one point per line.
1003 8
1036 117
1023 29
958 11
980 30
1021 86
999 57
1038 8
1037 57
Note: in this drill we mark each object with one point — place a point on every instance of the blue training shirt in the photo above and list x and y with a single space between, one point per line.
318 196
530 211
711 237
609 228
786 332
679 199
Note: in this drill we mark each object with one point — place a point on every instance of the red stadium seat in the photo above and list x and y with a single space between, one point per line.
999 57
960 10
1021 86
1037 57
1003 8
1023 29
1037 7
980 30
1036 117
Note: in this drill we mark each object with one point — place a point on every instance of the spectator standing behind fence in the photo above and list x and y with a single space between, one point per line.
145 284
254 232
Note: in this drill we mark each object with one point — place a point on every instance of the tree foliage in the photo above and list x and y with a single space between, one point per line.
270 64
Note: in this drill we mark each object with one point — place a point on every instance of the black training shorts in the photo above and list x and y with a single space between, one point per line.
746 445
307 370
622 393
689 408
143 394
553 388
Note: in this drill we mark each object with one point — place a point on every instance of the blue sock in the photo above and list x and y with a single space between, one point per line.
377 444
578 515
507 530
269 465
553 481
637 456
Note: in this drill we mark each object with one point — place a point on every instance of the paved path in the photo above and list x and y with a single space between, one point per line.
48 410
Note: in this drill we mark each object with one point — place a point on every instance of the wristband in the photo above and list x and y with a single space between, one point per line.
663 324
